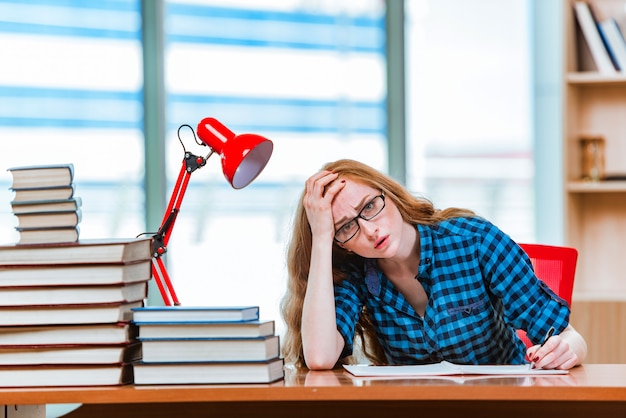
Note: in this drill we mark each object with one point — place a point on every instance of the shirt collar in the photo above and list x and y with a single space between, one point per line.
373 275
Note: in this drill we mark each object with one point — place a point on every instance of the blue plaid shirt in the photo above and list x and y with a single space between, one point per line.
480 286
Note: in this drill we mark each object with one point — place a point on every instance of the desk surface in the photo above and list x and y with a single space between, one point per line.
592 382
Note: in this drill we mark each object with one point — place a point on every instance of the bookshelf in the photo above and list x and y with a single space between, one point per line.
595 212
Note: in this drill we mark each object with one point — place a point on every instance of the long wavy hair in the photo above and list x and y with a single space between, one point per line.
414 210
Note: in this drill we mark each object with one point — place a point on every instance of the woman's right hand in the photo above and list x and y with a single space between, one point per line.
320 191
321 341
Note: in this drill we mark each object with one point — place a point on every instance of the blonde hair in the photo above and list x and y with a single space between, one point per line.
414 210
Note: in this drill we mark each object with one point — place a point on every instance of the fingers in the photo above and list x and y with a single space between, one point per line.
318 185
555 354
320 190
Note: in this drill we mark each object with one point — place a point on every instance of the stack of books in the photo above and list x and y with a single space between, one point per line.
66 311
44 203
206 345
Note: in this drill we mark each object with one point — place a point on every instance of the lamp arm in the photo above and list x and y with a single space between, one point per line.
190 164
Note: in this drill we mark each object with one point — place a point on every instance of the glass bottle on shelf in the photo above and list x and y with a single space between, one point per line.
592 153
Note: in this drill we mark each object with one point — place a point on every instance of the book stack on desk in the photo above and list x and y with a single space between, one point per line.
44 204
206 345
66 310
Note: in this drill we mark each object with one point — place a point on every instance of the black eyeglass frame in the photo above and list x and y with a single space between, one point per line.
360 216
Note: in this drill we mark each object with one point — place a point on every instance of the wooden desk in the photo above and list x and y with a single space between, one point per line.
590 391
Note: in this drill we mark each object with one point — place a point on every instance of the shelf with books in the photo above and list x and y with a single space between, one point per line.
594 221
592 37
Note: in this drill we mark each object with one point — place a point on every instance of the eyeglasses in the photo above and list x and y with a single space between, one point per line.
369 211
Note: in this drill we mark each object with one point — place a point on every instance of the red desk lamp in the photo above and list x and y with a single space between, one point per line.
243 156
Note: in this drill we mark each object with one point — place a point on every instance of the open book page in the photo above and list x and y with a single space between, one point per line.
446 369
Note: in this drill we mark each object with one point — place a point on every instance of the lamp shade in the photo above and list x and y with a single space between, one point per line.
243 156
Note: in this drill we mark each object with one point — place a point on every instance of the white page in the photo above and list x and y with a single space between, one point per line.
445 369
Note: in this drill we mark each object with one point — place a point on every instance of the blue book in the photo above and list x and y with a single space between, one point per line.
614 41
191 314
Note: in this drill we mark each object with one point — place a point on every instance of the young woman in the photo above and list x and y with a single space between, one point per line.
412 283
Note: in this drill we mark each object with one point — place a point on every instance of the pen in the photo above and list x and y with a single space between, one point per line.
545 339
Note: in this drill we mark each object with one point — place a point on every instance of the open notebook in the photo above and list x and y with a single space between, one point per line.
446 368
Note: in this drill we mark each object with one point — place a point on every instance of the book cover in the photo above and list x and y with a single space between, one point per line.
196 313
93 251
72 295
53 175
210 349
209 373
53 235
248 329
68 334
66 375
43 194
75 274
589 28
54 205
67 314
60 219
70 354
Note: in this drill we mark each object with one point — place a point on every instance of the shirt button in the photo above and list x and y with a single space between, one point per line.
427 261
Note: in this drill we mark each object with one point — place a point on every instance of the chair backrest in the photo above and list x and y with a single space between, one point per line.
554 265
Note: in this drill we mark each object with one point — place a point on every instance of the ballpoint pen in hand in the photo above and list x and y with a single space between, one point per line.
545 339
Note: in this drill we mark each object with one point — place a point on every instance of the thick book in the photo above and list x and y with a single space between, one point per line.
66 375
445 368
614 41
55 205
43 194
589 28
48 219
54 175
75 274
94 251
208 373
70 354
248 329
67 314
72 295
68 334
55 235
210 349
196 313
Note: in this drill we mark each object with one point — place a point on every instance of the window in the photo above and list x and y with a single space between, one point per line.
308 75
70 92
469 108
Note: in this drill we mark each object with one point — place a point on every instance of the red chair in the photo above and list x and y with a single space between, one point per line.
556 266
